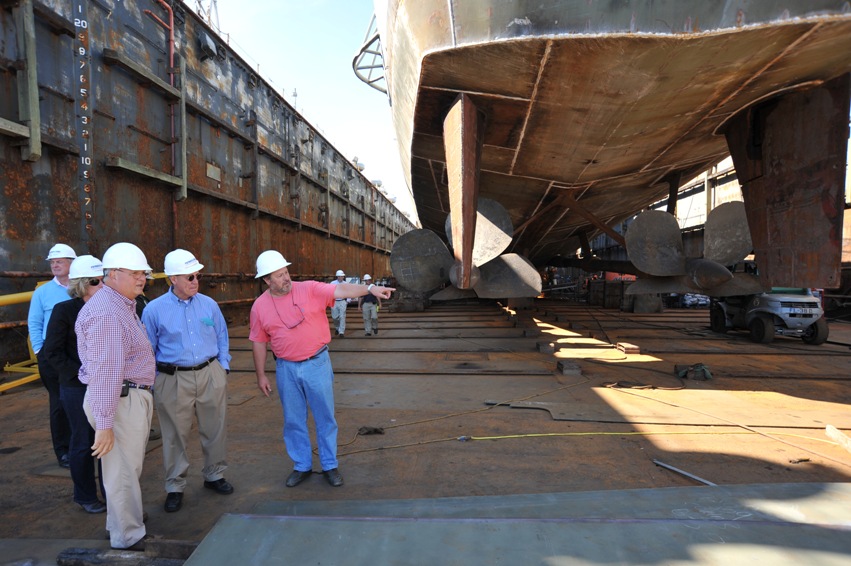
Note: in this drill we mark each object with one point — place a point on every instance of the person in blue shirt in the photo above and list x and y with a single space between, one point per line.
190 340
43 300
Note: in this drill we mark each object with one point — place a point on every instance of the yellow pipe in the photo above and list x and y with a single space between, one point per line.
17 382
16 298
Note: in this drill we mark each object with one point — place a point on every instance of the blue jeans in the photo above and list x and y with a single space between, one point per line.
80 448
302 385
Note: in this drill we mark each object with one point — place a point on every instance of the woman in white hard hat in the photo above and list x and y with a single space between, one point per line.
43 300
60 350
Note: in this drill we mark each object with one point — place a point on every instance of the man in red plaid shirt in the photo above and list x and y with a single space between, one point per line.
119 368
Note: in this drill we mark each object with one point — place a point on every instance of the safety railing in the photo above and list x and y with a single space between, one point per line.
28 366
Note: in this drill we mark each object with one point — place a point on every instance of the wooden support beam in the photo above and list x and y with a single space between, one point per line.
121 163
13 129
462 138
587 215
143 75
28 104
673 180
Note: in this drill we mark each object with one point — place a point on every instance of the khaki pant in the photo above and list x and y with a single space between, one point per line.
338 315
370 317
202 394
122 466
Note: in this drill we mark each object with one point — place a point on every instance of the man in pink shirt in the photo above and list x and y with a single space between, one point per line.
291 316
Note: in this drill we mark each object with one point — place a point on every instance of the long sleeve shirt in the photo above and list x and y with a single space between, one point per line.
60 342
113 346
44 299
187 333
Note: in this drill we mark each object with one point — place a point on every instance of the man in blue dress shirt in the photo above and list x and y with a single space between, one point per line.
190 340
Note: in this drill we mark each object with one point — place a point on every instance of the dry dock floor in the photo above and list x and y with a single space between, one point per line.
538 413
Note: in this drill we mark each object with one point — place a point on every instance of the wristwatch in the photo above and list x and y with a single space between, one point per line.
369 287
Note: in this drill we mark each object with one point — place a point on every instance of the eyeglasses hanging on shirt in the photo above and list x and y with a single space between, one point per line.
293 315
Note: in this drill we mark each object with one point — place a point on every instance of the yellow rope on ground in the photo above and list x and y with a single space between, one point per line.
545 434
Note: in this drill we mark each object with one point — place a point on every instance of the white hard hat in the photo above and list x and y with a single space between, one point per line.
127 256
268 262
340 273
365 277
86 266
181 262
60 251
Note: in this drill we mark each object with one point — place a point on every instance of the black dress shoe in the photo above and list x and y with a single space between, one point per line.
94 507
139 545
334 477
221 485
64 461
173 502
297 477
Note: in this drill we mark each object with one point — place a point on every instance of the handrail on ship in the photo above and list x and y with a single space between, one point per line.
368 62
30 365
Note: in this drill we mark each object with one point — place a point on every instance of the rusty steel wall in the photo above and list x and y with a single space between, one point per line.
107 134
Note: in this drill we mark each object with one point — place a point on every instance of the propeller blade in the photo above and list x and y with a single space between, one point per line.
452 293
509 275
420 260
740 284
726 236
494 231
654 244
706 274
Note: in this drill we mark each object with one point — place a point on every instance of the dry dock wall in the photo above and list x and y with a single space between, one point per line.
133 121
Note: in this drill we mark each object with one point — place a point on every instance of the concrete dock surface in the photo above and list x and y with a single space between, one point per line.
474 434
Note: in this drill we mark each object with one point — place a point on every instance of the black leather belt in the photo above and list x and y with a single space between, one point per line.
170 369
317 354
126 386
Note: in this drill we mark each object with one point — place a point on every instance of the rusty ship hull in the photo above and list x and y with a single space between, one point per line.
577 115
134 121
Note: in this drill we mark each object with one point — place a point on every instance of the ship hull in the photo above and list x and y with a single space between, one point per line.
595 109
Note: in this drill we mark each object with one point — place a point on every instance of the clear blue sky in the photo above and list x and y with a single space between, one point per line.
307 46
